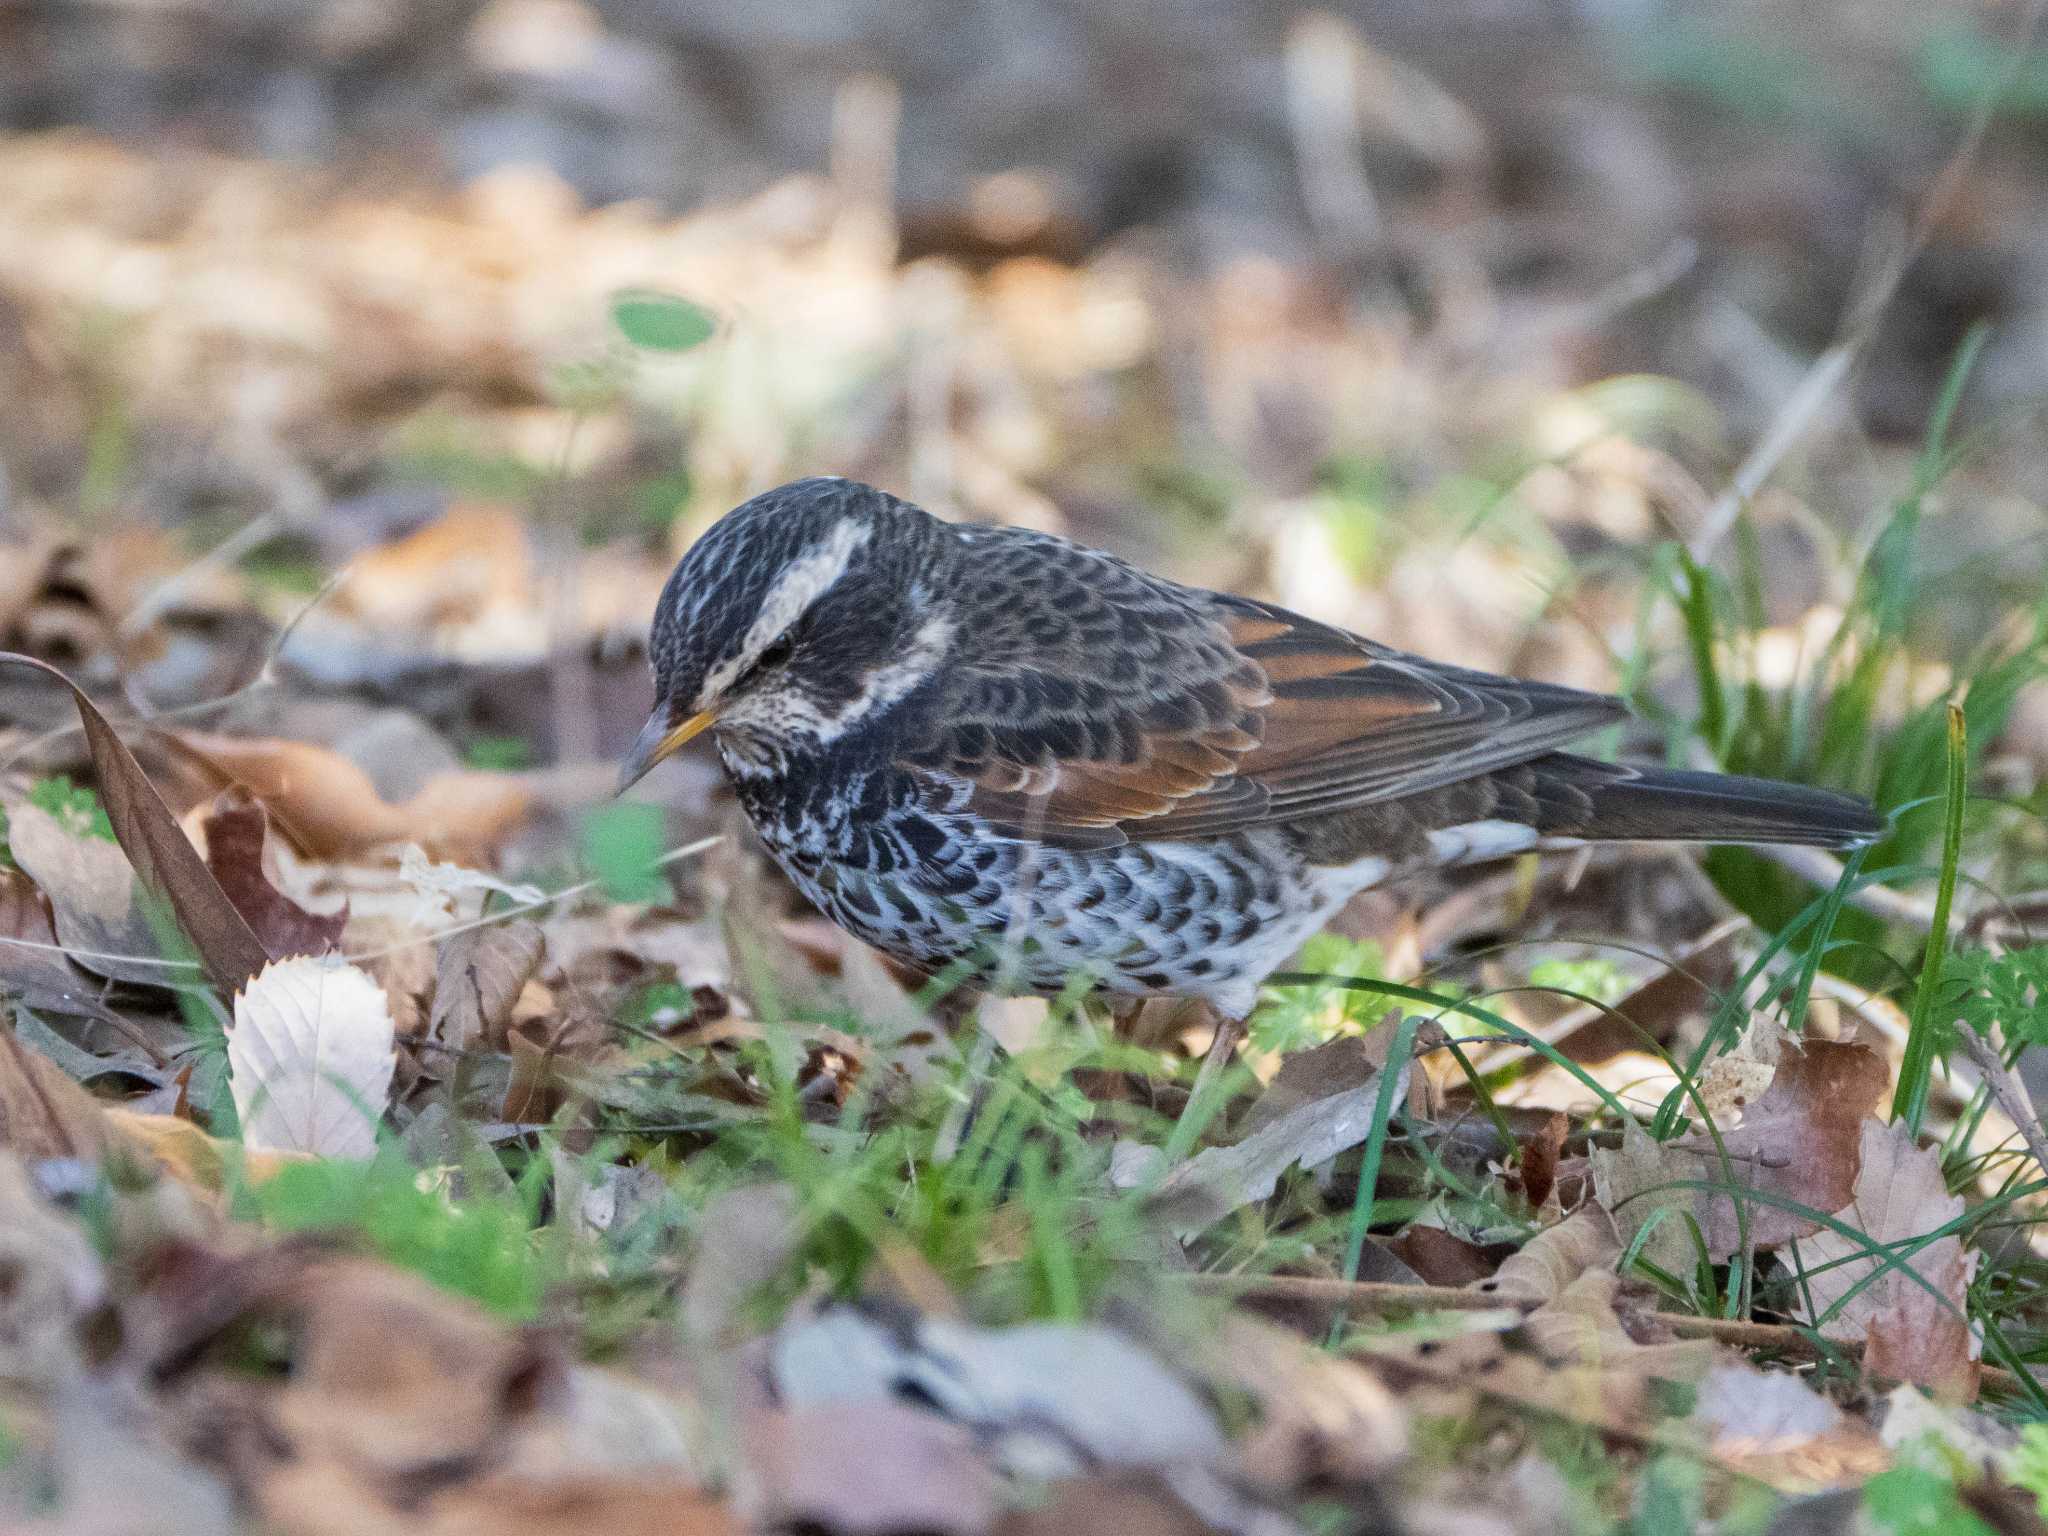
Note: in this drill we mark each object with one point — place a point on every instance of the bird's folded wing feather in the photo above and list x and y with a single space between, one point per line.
1240 714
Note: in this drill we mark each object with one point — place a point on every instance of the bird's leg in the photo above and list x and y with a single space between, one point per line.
1229 1031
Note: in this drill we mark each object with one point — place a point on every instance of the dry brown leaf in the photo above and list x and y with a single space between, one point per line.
188 1154
234 830
1910 1333
94 901
479 974
1441 1258
1537 1169
43 1113
473 556
328 807
1109 1506
32 968
389 1376
1324 1420
1555 1257
1800 1142
619 1504
165 861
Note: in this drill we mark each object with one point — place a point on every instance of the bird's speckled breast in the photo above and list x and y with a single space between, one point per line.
891 857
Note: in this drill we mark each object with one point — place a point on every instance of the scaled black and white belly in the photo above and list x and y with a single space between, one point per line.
903 869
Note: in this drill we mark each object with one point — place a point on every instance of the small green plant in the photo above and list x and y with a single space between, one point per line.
1595 977
655 321
481 1247
1295 1018
2010 991
1915 1500
2029 1465
76 808
499 754
623 844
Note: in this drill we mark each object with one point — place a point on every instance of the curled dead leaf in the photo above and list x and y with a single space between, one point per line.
329 808
235 829
165 861
1554 1258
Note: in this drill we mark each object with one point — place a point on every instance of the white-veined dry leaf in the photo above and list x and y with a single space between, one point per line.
311 1057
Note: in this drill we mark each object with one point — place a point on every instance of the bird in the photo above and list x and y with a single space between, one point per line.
996 753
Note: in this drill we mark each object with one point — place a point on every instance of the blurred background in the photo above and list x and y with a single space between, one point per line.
1441 320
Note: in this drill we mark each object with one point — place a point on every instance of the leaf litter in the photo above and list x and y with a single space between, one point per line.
483 1167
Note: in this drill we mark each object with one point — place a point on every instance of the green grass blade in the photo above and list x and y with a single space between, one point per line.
1924 1034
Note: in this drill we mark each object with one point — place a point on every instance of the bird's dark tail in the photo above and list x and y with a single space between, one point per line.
1582 798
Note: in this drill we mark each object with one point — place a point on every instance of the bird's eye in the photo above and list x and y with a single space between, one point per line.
779 651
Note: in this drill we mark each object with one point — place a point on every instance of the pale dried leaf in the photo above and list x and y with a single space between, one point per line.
1634 1183
1772 1426
1555 1257
1056 1395
328 807
447 883
1218 1180
311 1058
1580 1327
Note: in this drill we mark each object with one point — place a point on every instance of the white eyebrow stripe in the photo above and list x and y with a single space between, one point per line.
926 650
802 582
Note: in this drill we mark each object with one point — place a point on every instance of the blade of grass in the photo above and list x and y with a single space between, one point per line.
1375 1144
1923 1035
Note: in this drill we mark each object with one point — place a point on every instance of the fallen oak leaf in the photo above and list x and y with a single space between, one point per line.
311 1058
234 831
165 861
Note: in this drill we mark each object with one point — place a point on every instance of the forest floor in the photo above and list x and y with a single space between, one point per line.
398 1133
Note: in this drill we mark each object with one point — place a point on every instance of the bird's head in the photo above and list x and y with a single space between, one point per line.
801 617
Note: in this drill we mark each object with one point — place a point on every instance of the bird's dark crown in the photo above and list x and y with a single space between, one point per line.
804 613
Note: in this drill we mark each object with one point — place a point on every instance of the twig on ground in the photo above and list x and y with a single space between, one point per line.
1376 1295
2009 1092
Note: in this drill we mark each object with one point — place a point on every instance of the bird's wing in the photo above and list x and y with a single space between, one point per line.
1143 711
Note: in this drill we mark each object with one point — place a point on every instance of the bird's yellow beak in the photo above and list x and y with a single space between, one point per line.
657 740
